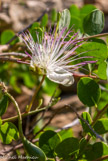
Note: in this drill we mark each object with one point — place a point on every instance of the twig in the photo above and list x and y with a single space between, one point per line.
83 75
13 60
97 135
25 114
98 35
33 140
14 37
49 121
13 54
43 112
49 105
101 158
35 93
99 114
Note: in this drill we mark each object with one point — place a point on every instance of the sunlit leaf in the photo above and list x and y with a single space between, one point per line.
88 91
6 36
48 141
94 22
8 132
101 126
96 151
64 21
67 148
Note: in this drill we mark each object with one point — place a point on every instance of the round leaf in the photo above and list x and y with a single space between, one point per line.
76 23
64 19
48 142
34 34
101 126
44 20
102 70
67 147
6 36
66 133
96 151
94 22
88 91
86 9
8 132
74 10
96 48
53 15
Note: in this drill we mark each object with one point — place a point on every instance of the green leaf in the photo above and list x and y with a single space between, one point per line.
37 34
64 21
53 15
102 70
3 104
48 142
6 36
76 23
66 133
83 143
33 151
35 25
28 80
96 48
94 22
88 91
8 132
101 126
44 20
13 82
96 151
67 148
74 10
86 116
86 9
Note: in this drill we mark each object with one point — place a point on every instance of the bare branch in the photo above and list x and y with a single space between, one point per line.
97 135
13 54
13 60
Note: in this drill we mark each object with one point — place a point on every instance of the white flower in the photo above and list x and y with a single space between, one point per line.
52 56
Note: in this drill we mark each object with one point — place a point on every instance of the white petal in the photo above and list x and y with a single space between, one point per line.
61 76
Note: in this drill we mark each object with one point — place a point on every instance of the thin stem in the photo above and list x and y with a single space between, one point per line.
99 114
19 114
34 96
23 115
13 60
13 54
90 127
83 75
98 35
101 158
